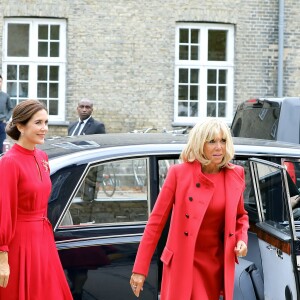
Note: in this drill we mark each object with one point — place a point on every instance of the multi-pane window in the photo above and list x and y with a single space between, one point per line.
203 72
34 62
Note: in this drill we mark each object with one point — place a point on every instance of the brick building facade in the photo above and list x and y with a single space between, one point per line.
122 54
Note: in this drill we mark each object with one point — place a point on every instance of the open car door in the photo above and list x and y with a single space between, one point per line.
277 238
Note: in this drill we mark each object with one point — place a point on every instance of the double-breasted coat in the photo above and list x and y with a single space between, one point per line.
187 192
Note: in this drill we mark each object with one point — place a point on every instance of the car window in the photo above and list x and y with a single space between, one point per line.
164 166
249 197
112 192
259 120
64 182
271 191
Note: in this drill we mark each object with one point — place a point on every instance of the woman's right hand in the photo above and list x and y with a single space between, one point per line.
137 282
4 269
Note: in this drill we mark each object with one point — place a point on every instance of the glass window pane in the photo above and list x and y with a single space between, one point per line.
43 32
183 36
194 92
271 191
212 76
194 52
222 110
211 93
53 91
183 92
183 75
54 34
42 90
43 49
222 93
182 109
18 40
164 166
53 107
217 40
24 72
44 102
194 109
194 75
114 192
195 36
54 71
23 89
12 89
42 73
211 109
184 52
12 72
14 101
54 49
222 76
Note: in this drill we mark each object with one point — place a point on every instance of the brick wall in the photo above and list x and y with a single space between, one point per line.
121 53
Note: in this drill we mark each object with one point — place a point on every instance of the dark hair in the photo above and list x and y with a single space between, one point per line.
22 113
0 76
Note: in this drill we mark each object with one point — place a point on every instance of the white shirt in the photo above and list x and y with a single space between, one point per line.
81 126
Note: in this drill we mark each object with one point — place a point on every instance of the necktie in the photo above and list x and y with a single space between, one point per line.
76 132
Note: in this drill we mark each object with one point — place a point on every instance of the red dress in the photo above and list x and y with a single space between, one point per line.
208 274
25 232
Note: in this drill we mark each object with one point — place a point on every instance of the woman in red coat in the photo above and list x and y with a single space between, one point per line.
209 224
30 268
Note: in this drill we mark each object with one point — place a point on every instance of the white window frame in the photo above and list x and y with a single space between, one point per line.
33 60
203 65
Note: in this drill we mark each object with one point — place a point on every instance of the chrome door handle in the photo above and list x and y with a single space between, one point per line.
271 248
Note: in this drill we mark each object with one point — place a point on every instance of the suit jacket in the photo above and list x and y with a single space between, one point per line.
91 127
187 192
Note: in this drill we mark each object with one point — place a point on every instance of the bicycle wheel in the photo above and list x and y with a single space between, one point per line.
109 180
139 170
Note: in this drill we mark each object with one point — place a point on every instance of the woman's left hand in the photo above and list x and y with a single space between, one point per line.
240 249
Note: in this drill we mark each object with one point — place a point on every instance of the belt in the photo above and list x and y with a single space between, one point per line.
33 217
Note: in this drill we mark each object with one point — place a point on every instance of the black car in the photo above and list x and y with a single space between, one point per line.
104 187
268 118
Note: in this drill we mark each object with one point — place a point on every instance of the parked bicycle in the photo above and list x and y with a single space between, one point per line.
140 172
108 180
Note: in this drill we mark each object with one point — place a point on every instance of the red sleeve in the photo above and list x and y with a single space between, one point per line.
155 224
8 201
242 221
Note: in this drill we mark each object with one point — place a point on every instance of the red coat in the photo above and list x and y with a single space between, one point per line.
188 192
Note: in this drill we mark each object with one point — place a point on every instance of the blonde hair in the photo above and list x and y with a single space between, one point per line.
203 132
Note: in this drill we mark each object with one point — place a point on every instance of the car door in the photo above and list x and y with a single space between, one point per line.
275 230
99 233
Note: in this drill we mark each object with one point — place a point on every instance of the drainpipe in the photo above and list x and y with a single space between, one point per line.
280 48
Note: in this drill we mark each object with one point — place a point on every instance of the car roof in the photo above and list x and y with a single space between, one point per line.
57 147
277 100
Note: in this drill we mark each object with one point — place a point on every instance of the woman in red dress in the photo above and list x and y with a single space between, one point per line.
30 268
208 228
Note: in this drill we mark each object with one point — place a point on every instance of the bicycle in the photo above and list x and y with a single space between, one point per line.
140 172
145 130
180 130
108 180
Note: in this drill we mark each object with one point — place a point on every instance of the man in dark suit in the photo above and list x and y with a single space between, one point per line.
86 123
